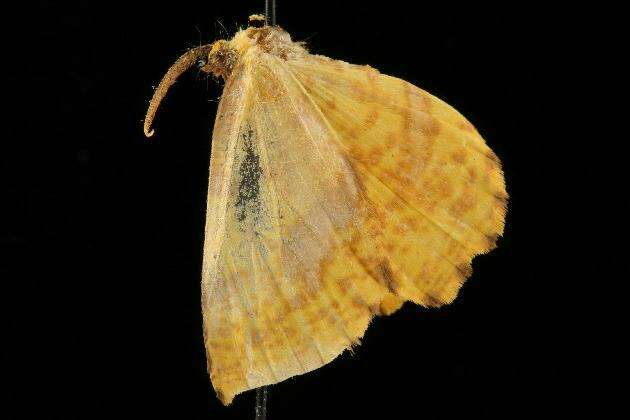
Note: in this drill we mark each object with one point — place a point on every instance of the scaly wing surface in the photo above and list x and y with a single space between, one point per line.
283 291
435 191
335 194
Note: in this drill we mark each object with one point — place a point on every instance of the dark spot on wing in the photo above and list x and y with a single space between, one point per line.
465 270
386 276
492 241
433 301
248 199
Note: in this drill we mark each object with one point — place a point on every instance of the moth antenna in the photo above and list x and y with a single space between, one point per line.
182 64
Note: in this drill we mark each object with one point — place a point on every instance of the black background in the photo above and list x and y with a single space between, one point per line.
104 244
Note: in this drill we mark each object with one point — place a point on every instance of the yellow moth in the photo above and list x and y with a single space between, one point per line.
336 193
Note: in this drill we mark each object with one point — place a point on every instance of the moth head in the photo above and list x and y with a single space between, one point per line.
217 58
220 57
219 61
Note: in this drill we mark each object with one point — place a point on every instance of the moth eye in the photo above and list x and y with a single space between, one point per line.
201 62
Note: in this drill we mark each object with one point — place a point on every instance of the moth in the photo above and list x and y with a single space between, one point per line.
336 193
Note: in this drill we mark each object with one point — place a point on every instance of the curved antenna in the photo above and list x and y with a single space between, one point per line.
182 64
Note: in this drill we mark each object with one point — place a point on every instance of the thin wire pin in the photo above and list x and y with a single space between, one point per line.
270 12
261 393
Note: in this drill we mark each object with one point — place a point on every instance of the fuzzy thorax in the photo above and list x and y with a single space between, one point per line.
269 39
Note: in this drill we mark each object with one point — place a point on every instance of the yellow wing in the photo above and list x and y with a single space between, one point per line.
282 291
435 190
335 194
